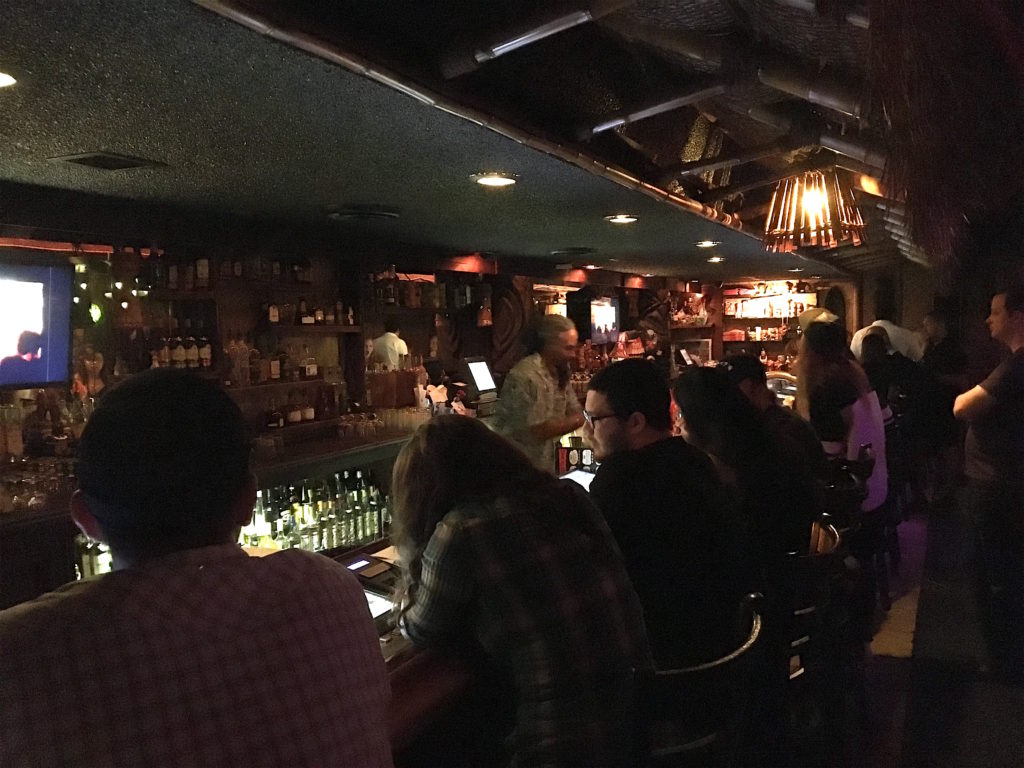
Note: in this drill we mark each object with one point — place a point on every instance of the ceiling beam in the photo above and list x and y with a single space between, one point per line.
780 147
700 93
551 22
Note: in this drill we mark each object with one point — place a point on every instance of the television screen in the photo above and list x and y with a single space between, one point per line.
604 321
35 325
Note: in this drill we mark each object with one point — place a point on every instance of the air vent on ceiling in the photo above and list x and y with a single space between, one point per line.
574 251
365 213
108 161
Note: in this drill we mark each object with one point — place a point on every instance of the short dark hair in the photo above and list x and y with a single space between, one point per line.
635 386
161 460
391 325
29 341
743 368
1014 297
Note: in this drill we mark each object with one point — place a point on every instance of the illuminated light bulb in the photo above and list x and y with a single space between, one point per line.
124 305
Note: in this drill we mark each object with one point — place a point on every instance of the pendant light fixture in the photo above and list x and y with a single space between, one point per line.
812 210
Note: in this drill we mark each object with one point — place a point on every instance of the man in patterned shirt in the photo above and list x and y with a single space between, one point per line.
189 652
537 402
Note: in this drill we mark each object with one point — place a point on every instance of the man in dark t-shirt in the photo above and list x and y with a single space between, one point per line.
664 505
994 449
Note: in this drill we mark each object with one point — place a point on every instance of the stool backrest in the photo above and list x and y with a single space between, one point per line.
695 715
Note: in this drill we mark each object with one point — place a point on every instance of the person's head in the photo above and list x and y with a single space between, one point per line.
448 461
1006 317
391 325
715 416
873 350
627 408
748 374
163 466
935 326
30 345
555 338
824 353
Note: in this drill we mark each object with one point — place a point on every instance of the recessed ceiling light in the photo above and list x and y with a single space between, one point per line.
6 80
494 179
795 269
707 243
814 277
648 274
620 218
716 259
591 266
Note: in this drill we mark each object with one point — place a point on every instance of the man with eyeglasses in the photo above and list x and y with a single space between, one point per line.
664 505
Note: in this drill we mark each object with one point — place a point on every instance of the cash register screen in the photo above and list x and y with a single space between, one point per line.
481 375
378 605
581 477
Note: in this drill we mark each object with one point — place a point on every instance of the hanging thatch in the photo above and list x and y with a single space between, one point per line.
948 76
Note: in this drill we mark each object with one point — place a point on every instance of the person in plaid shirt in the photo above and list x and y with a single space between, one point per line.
494 548
190 653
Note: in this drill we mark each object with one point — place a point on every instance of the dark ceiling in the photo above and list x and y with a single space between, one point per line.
249 126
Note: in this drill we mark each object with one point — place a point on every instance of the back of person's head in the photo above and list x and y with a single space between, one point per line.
719 418
545 330
1013 297
162 462
635 386
827 341
873 349
29 342
741 368
450 460
391 325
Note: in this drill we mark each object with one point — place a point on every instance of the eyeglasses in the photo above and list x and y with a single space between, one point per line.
591 419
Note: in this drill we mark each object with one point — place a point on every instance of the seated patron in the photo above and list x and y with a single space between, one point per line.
665 507
189 652
776 498
497 551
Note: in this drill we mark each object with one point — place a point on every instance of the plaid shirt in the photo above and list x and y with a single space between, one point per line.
529 396
540 581
202 658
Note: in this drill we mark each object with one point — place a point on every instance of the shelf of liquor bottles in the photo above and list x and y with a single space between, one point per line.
330 512
321 457
315 330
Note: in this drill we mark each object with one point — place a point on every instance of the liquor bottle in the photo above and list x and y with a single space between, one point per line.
256 375
187 276
308 365
318 316
236 266
330 316
172 275
350 317
275 268
178 354
339 312
202 273
308 410
242 362
225 267
294 412
275 367
205 348
304 317
164 352
275 418
191 347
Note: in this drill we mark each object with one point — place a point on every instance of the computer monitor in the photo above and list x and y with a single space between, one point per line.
35 324
604 320
477 374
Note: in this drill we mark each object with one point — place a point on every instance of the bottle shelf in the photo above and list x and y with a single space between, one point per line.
312 330
755 341
272 386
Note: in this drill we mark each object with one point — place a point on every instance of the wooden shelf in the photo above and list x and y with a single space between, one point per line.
311 330
324 456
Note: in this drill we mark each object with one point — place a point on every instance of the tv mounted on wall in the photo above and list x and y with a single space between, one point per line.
35 324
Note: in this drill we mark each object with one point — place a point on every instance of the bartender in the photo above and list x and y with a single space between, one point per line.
537 403
389 347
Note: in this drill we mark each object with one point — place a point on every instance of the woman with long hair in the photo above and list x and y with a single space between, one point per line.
496 549
774 495
836 396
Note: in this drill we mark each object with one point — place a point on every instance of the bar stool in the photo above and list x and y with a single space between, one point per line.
696 716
